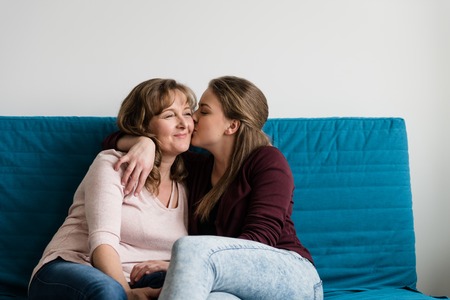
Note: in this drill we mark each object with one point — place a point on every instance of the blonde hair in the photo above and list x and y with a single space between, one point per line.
241 100
146 100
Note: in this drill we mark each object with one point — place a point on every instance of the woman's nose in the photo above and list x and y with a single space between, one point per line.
194 116
182 122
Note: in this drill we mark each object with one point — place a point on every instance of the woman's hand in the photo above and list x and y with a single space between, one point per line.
139 160
147 267
143 294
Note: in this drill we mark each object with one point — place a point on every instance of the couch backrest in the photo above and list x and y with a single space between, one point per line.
353 205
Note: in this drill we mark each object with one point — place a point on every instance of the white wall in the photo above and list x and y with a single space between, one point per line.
311 58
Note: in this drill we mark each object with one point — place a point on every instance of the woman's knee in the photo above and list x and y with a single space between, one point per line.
190 243
207 242
194 248
96 290
111 290
65 280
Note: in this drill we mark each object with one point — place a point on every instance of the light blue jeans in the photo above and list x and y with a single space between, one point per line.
212 267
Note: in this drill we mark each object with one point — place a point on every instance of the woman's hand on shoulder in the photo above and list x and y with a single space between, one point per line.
147 267
139 162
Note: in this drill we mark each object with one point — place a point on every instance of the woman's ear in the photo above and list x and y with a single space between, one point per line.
233 127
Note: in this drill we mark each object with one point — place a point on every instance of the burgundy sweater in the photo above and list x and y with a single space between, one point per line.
257 205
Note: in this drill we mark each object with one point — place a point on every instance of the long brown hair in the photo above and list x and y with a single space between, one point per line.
241 100
146 100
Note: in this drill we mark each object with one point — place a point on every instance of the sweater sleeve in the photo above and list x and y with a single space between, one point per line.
110 142
103 201
270 199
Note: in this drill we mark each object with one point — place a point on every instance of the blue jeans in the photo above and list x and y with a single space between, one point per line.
212 267
60 279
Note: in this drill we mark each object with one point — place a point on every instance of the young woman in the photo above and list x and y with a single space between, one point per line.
101 249
242 243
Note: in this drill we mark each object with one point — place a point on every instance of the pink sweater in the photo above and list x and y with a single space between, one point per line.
139 228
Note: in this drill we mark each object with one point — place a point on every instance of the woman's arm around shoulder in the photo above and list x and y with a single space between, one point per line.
139 159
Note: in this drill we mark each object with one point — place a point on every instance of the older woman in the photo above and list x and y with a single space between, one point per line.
103 248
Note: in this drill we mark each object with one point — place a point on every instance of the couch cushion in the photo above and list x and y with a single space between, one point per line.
42 161
353 206
387 293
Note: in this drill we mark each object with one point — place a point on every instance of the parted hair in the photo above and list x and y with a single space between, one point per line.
146 100
241 100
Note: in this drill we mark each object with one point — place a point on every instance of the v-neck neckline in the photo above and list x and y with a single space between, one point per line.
171 197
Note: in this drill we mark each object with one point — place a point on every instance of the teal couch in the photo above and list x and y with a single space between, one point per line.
353 204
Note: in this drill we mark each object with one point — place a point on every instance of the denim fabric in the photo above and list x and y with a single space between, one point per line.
60 279
221 296
238 268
